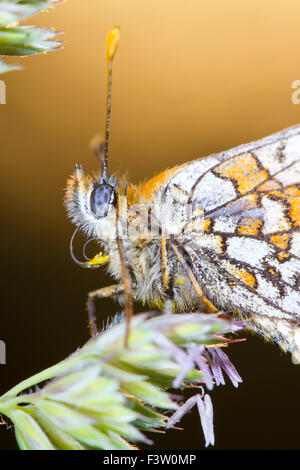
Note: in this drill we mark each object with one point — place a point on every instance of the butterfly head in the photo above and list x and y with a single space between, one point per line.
91 202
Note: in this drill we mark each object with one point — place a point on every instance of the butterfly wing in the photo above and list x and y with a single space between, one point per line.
241 234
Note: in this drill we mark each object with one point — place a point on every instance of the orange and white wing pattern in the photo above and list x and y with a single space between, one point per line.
243 237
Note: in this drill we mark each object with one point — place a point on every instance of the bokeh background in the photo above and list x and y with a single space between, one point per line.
190 78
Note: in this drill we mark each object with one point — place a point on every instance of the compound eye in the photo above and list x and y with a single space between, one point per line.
102 196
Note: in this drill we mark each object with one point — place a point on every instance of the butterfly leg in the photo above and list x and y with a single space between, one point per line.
165 273
103 293
127 289
211 308
166 277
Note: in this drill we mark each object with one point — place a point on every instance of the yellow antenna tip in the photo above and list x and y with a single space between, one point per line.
112 43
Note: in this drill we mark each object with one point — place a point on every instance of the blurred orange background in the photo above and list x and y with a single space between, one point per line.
190 78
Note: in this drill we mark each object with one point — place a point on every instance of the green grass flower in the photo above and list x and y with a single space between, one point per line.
107 396
23 40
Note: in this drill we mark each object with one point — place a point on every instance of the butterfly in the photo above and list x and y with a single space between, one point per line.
217 233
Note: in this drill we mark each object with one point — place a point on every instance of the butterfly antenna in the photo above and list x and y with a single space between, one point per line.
111 49
97 147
